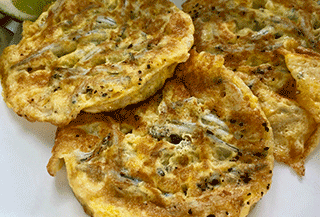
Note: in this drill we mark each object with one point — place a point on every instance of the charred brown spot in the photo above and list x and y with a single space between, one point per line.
175 139
259 71
185 189
56 89
232 121
217 80
89 90
266 128
136 117
245 178
56 76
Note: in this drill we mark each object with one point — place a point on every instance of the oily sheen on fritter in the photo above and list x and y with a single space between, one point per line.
200 147
93 55
274 47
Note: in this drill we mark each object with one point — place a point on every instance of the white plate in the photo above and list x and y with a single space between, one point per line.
27 190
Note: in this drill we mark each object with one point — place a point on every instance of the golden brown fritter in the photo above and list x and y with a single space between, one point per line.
200 147
305 69
93 55
267 43
295 131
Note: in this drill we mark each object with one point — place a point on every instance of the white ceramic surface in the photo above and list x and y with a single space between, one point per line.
27 190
